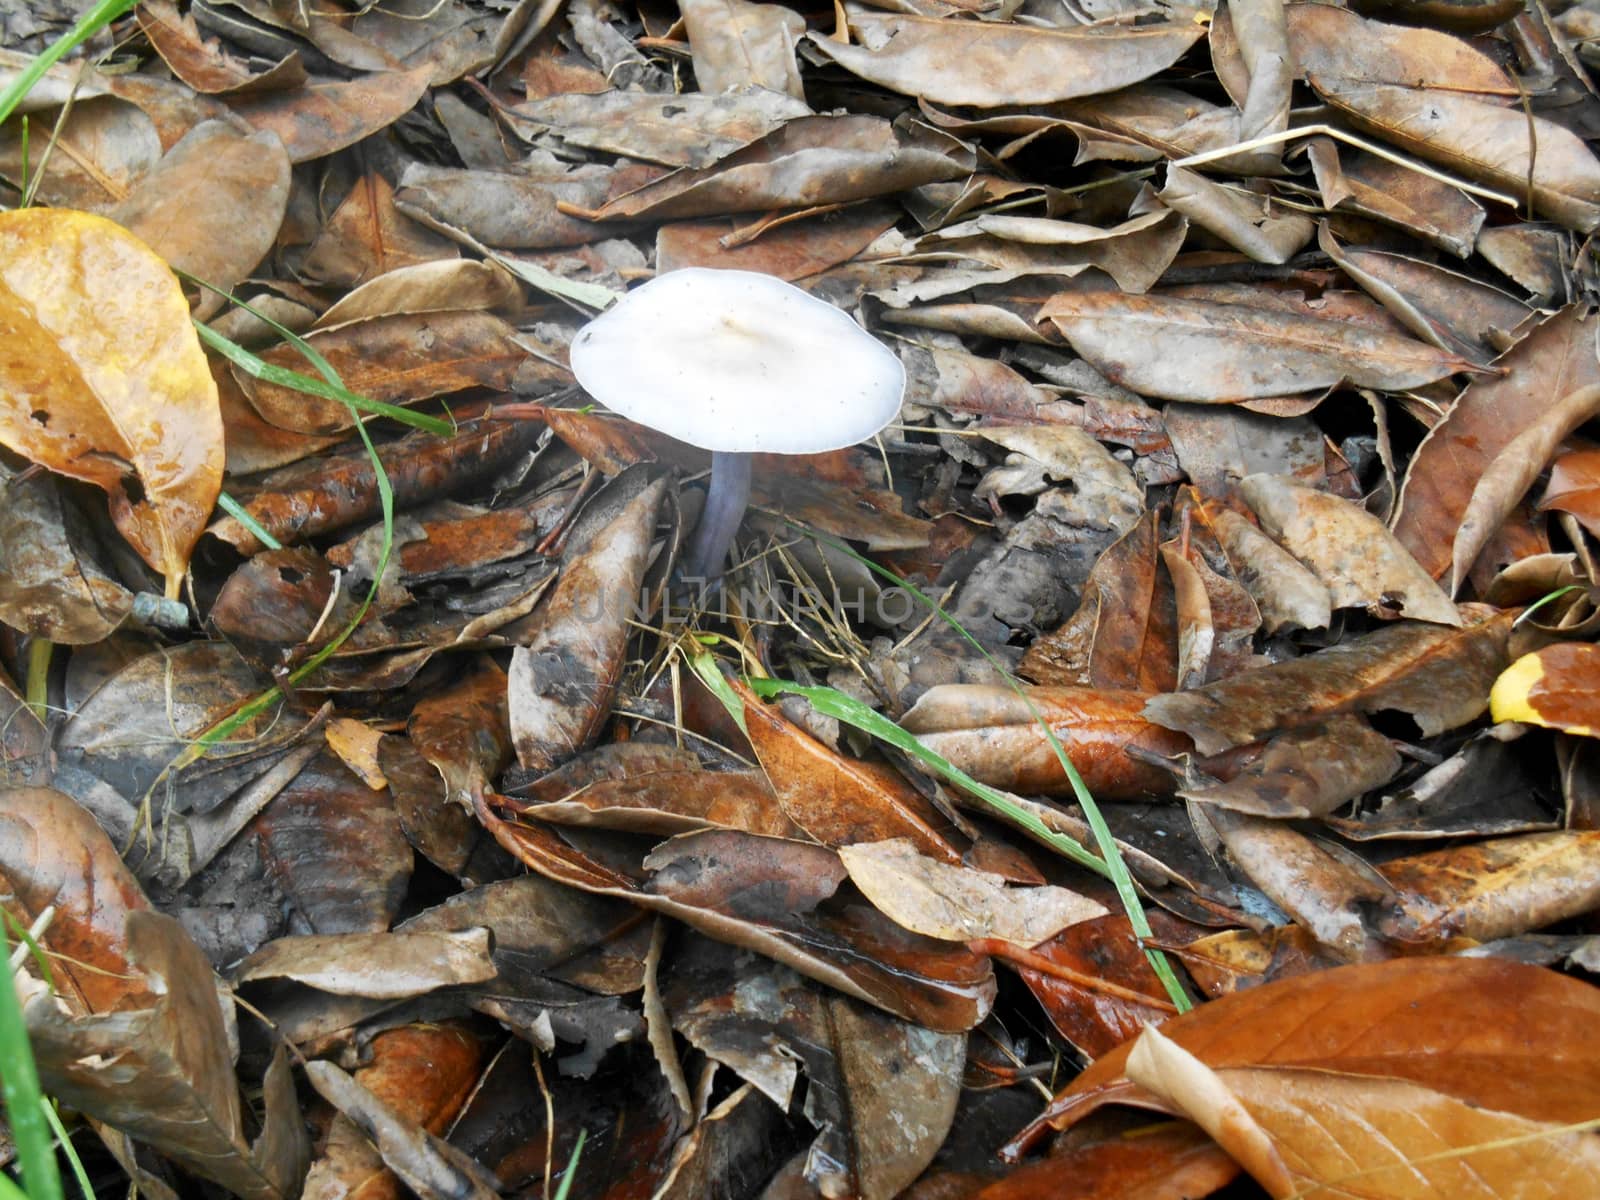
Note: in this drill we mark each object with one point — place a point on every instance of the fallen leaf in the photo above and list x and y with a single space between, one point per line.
1498 888
1439 675
1556 687
1502 147
104 364
957 903
1552 361
1511 474
1574 488
384 966
988 64
1207 352
565 672
162 1072
1443 1057
1348 549
995 736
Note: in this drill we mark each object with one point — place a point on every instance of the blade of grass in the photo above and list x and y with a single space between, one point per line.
19 1082
259 704
64 1140
570 1173
329 390
91 23
242 515
1116 869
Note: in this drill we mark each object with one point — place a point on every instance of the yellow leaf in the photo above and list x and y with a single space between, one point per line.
102 377
1557 687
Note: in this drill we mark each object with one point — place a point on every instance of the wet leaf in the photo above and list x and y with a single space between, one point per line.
1498 888
104 363
1574 487
161 1072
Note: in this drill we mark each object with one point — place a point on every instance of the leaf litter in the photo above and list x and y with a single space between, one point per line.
1237 523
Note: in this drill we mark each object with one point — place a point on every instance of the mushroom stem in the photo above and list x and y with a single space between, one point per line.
725 504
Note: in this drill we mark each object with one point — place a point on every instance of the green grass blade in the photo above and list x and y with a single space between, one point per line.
252 526
852 712
19 1083
1116 869
571 1172
284 377
91 23
64 1140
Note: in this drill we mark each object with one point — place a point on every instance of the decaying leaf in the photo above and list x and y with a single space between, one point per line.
563 676
990 64
1438 675
161 1072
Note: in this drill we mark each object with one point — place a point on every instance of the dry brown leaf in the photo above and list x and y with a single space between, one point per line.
1554 360
1348 549
212 206
1287 595
162 1073
988 64
1487 142
321 118
835 799
992 734
1208 352
1123 633
739 45
1505 480
1439 675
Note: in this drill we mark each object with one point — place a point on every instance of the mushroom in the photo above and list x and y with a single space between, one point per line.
737 362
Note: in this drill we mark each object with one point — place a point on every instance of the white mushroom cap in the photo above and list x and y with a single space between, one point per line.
738 361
